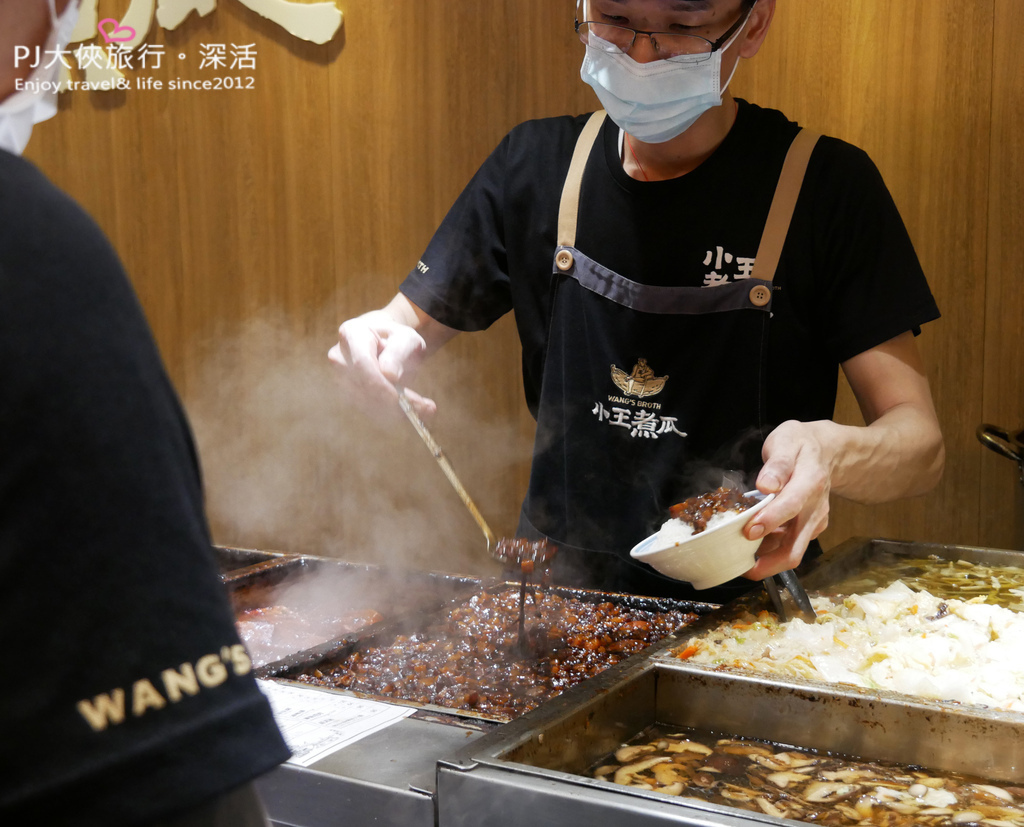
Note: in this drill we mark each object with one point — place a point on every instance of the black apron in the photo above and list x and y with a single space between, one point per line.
635 413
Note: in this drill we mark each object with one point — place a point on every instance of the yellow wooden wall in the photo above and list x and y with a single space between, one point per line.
253 221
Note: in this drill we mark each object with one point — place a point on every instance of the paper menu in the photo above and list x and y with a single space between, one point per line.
316 723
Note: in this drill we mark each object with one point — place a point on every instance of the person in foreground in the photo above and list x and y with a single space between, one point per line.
127 697
688 272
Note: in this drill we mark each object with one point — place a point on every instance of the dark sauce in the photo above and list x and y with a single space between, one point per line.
696 511
472 660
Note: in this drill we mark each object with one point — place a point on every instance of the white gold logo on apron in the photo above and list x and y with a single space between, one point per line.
639 418
641 382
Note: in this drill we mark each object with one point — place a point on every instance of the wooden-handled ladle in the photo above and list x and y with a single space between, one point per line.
526 554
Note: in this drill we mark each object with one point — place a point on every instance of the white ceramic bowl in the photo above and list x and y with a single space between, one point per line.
710 558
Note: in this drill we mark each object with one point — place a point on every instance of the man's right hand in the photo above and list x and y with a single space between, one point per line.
380 351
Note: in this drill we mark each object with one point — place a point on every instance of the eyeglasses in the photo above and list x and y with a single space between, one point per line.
682 48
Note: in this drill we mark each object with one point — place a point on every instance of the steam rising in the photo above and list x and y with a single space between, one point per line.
289 464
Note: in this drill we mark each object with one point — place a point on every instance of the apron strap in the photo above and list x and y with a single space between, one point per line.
569 208
775 229
783 203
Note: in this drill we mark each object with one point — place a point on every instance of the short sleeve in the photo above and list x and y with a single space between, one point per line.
462 279
870 284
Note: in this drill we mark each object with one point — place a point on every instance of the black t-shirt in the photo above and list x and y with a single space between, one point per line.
126 694
848 279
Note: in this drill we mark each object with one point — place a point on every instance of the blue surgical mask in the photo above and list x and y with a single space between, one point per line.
654 102
37 102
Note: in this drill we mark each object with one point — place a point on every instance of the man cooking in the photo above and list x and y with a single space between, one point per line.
686 273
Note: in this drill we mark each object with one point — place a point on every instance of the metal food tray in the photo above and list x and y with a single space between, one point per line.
232 562
860 556
851 559
535 767
383 634
392 593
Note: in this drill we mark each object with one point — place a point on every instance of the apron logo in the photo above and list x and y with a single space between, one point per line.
640 418
641 382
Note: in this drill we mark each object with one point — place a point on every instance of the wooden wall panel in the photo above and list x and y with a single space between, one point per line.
910 83
252 222
1002 489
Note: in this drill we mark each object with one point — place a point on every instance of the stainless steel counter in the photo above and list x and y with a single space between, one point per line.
437 770
388 778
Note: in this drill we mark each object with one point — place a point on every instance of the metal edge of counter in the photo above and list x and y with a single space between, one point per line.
491 797
305 797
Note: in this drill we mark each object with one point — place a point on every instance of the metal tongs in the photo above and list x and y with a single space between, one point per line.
1003 443
788 581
